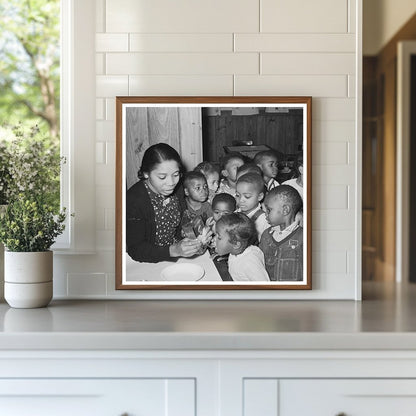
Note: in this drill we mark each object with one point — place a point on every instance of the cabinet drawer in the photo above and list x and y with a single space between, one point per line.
347 397
86 397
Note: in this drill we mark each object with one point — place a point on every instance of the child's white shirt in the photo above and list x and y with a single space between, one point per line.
272 184
293 183
248 266
279 235
260 222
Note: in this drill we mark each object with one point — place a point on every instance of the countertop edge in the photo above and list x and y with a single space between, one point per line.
157 341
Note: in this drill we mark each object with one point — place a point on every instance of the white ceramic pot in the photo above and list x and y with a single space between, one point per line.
28 278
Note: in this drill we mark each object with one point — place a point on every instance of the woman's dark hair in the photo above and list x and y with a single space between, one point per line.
239 228
156 154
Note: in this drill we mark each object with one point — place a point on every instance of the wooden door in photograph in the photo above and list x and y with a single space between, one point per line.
180 127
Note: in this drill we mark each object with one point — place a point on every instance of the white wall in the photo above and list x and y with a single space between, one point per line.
235 47
381 20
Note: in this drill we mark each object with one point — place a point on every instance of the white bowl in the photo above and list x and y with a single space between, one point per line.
183 272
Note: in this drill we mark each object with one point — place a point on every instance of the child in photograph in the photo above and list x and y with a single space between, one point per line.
212 176
198 209
222 204
235 234
282 243
249 167
297 183
230 163
250 192
267 162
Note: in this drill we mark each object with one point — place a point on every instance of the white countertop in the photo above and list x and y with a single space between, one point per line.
383 320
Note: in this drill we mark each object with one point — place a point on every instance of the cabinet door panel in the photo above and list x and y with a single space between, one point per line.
349 397
86 397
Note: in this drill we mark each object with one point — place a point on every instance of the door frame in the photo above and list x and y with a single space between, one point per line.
404 51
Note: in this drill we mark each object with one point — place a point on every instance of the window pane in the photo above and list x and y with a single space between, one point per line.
30 70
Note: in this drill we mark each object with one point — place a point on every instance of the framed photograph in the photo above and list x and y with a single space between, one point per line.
213 193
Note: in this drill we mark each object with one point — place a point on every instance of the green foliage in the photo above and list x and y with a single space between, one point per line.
29 224
30 63
29 164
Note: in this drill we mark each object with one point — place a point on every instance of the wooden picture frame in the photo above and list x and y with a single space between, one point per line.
205 128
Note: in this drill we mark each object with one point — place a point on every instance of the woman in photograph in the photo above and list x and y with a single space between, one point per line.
154 209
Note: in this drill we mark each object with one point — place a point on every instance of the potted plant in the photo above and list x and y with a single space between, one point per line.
32 220
28 228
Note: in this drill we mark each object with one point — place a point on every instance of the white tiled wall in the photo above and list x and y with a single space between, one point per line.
234 47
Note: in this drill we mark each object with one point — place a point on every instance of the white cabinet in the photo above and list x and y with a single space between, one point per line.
208 383
347 397
86 397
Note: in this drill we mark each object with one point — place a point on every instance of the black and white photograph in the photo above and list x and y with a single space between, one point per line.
213 193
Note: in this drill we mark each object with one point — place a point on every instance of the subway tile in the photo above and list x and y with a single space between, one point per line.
330 197
100 152
60 282
111 284
182 63
110 153
333 175
105 131
104 196
336 286
109 219
351 262
300 16
179 16
86 284
335 262
110 109
111 86
105 240
100 219
99 109
181 85
330 241
183 42
304 85
294 42
100 15
112 42
330 153
351 86
337 130
99 64
307 63
105 174
340 109
333 219
87 263
352 16
351 153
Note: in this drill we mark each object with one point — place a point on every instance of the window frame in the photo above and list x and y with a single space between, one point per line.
78 126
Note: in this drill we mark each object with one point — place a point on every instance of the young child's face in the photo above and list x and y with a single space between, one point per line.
230 169
247 196
220 209
274 210
222 241
269 167
197 190
213 180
